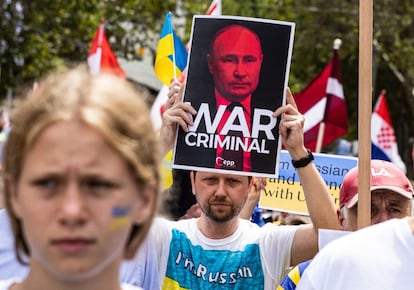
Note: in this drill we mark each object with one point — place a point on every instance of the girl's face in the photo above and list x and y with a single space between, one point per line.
77 201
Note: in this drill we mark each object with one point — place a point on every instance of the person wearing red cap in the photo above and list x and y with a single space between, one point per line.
391 197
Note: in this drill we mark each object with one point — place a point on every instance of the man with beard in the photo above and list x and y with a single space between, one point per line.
219 249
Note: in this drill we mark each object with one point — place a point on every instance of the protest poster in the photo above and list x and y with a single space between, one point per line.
285 192
238 70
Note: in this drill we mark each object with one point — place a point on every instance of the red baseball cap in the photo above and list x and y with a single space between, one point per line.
384 175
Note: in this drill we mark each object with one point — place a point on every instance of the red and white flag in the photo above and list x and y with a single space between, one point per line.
101 57
215 8
323 104
158 106
383 140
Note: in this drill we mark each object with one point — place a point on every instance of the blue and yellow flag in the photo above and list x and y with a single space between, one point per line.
171 54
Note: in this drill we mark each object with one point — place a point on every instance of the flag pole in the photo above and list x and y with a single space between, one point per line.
364 112
173 48
319 141
320 137
101 32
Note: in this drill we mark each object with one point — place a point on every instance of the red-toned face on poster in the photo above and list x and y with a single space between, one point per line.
235 61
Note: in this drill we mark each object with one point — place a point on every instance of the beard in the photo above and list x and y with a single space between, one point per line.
219 210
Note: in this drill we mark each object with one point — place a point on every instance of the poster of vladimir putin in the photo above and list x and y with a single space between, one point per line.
237 74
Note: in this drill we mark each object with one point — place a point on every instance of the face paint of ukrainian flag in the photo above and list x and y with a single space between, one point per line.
120 217
192 267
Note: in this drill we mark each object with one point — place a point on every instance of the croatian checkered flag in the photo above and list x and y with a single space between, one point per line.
383 141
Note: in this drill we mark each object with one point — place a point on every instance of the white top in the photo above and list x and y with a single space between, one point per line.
252 258
6 284
9 266
376 257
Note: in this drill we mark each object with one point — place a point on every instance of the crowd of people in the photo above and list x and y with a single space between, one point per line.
83 207
81 189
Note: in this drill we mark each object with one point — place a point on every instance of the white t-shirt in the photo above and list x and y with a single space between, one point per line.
6 284
252 258
9 266
376 257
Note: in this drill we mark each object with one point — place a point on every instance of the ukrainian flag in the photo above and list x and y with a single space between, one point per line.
169 47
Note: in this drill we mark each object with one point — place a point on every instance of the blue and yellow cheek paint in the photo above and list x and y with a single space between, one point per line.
120 217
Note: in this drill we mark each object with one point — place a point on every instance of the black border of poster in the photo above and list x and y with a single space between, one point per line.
276 38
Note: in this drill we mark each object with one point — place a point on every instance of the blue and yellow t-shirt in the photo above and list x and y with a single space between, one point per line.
252 258
292 279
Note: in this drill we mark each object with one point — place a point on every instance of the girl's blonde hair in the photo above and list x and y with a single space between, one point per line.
105 102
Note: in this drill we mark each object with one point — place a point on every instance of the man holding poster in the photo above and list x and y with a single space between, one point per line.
220 249
236 79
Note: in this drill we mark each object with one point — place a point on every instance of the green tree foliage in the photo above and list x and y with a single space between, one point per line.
56 33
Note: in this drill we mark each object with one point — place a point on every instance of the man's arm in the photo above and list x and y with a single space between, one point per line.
257 184
176 114
319 201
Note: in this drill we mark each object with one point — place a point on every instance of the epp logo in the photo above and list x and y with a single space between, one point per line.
222 163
